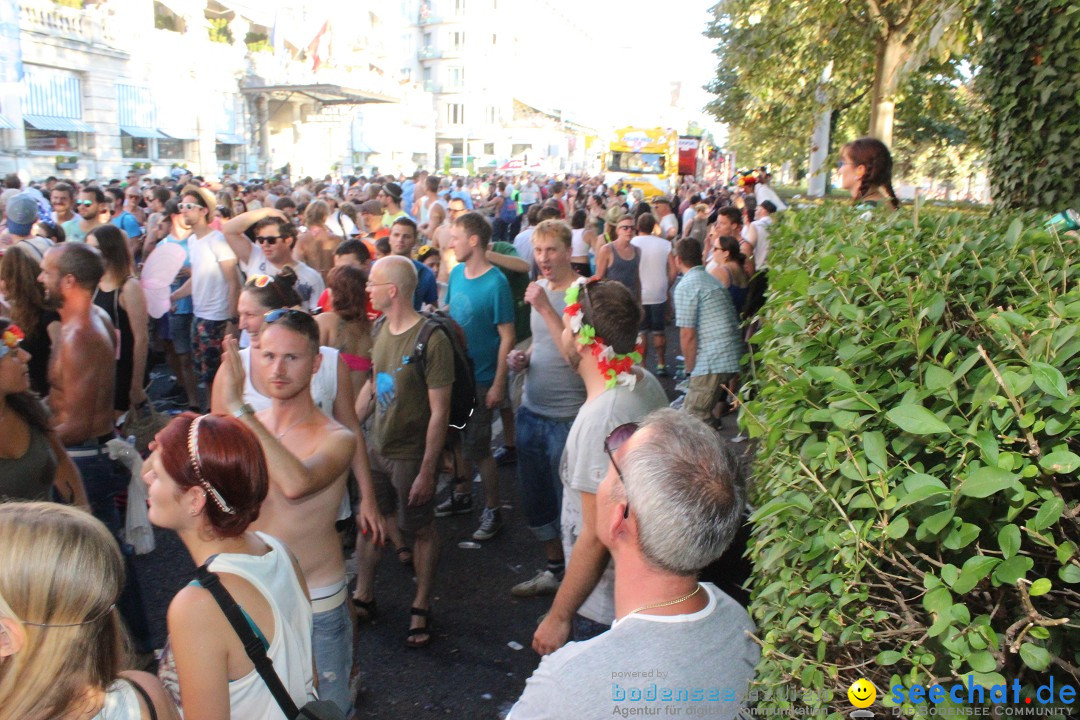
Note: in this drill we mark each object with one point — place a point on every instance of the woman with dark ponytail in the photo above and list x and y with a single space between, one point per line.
866 172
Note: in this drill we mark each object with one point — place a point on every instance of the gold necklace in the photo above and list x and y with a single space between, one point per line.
676 601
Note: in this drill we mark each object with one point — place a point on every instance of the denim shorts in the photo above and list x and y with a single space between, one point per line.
331 642
540 444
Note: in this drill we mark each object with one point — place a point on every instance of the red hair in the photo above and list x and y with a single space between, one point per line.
230 459
348 285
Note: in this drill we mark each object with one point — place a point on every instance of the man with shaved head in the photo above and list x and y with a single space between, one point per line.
412 409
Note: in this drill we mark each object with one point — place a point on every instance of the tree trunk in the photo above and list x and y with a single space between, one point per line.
888 59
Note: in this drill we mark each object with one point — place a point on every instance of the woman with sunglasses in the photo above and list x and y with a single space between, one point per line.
207 479
619 260
32 462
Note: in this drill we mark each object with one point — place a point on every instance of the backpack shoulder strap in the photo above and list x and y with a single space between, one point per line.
419 355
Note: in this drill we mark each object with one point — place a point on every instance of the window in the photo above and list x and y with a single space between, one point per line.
134 147
457 41
457 77
520 148
491 114
224 152
427 40
489 148
51 140
427 75
459 7
170 149
493 38
455 114
646 163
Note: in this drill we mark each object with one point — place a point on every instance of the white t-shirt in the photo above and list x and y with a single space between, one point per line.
578 246
688 215
523 245
309 282
669 222
584 465
761 247
209 288
341 224
764 192
529 193
653 268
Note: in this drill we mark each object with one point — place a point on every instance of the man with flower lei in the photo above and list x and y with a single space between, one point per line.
600 332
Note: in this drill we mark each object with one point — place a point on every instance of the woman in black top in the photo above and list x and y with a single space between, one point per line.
120 295
32 461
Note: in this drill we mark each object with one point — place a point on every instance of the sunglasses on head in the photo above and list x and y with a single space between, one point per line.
10 339
615 440
267 239
259 281
274 315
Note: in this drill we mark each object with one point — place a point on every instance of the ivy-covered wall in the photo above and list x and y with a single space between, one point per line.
1031 81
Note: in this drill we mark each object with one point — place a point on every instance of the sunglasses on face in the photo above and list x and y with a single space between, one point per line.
84 203
189 206
274 315
615 440
268 239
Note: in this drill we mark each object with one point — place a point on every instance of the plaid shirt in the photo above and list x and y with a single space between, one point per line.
702 303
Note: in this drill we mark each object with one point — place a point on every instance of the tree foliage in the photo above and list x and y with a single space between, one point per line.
1031 83
916 403
771 56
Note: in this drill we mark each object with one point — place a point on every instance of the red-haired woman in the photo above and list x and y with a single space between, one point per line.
207 478
866 172
347 327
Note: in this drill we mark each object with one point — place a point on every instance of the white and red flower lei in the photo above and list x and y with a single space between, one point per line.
617 368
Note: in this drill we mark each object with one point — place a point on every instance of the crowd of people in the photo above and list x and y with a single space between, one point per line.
337 346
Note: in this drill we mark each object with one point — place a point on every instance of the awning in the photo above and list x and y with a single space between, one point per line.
324 93
6 124
363 147
170 134
228 139
44 122
140 132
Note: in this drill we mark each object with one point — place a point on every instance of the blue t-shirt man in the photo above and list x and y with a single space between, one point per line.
427 287
184 305
479 305
127 222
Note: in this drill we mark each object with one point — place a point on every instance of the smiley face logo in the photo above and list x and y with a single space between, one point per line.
862 693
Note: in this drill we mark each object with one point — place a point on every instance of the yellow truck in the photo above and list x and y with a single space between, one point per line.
645 158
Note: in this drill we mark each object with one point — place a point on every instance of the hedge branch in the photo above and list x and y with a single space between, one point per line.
1033 617
1033 444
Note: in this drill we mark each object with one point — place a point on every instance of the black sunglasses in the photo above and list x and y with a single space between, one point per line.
274 315
615 440
267 239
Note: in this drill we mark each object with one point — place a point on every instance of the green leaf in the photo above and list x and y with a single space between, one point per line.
1009 540
897 528
961 537
1070 574
1008 572
937 522
1049 513
888 657
986 481
1050 380
975 569
916 420
874 448
982 662
1035 657
918 487
937 600
1040 587
1061 462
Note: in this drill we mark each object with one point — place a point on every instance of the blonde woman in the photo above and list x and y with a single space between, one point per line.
62 643
315 246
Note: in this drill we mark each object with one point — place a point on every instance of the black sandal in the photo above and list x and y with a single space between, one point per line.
425 630
367 607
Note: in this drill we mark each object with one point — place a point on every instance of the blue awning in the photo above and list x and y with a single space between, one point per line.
44 122
170 134
6 124
141 132
229 139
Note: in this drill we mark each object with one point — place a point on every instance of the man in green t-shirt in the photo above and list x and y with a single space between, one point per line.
411 415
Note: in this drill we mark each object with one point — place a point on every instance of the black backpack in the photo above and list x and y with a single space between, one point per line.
463 391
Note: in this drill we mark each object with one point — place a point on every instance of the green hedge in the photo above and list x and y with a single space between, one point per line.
915 405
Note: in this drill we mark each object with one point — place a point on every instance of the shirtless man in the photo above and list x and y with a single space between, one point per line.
315 246
308 455
441 238
82 372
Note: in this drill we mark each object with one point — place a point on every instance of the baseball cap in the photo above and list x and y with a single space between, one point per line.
22 213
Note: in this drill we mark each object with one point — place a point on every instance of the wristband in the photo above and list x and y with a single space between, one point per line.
244 409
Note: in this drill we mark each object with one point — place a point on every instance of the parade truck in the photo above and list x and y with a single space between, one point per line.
644 158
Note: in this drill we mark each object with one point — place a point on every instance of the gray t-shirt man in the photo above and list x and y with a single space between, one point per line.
584 465
701 662
552 389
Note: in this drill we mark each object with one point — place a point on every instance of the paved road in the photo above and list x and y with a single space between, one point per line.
469 670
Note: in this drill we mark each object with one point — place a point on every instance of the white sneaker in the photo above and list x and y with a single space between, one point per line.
545 583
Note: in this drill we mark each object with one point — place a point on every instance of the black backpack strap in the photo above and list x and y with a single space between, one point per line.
144 695
252 645
419 355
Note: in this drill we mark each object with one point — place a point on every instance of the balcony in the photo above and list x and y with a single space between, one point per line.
427 18
432 87
430 52
57 21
